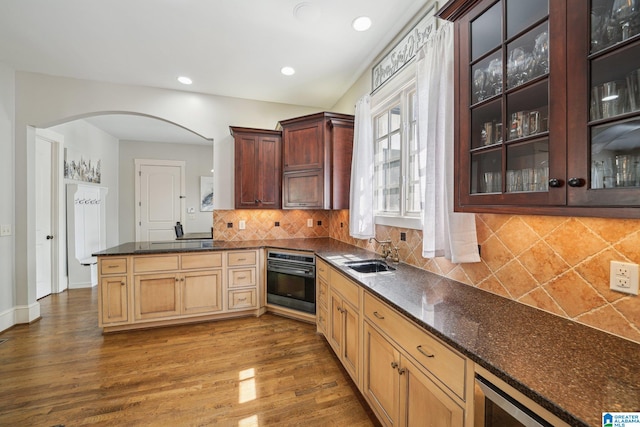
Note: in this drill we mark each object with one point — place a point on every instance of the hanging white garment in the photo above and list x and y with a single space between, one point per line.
361 221
445 232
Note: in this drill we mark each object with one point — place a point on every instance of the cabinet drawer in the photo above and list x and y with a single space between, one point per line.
240 299
206 260
155 263
444 363
113 266
346 288
323 292
241 258
322 318
242 277
322 269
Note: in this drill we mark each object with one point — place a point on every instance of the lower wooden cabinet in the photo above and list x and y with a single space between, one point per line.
345 325
399 392
114 307
408 377
176 288
156 296
202 292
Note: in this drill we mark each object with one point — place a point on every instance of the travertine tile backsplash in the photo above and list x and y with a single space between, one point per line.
557 264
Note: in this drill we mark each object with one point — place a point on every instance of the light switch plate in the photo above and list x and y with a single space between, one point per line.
5 230
310 222
242 224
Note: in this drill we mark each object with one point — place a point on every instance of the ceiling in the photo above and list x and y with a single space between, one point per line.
232 48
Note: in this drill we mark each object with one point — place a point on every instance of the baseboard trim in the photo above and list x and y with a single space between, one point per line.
20 314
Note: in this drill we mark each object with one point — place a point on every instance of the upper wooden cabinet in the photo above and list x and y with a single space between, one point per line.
547 106
258 172
316 155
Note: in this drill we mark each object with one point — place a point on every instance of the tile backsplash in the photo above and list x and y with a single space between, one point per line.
557 264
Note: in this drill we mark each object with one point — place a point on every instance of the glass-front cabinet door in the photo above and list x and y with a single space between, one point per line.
609 91
511 139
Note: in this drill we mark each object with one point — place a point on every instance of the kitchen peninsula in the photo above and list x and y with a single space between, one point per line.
573 371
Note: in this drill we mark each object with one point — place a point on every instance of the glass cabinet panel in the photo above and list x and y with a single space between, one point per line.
613 21
614 102
509 101
528 56
486 172
486 31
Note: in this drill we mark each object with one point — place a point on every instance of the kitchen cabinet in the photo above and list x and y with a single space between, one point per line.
322 295
316 152
172 288
345 322
242 283
547 107
113 296
408 384
258 171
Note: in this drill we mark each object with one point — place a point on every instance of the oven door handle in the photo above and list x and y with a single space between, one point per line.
292 271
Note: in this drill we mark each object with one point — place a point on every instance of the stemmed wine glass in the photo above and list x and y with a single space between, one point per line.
494 71
541 53
479 81
625 14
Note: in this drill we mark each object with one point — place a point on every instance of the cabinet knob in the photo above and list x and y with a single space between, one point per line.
394 365
402 371
555 183
576 182
122 283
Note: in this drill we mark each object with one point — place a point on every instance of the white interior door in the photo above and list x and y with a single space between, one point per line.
160 190
44 213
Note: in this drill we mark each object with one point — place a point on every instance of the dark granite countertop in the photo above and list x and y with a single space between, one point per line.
574 371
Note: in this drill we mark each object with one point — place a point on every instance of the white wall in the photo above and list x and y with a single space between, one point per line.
44 101
93 143
7 278
199 162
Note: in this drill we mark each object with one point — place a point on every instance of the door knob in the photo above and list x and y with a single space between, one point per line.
49 237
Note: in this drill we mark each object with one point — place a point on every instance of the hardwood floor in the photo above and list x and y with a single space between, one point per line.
271 370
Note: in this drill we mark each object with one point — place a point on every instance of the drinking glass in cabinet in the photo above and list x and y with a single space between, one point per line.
494 72
609 100
519 65
615 154
492 182
633 89
611 25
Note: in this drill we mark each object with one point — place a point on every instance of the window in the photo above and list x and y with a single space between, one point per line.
397 183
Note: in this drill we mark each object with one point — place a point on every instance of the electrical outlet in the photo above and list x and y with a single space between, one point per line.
623 277
242 224
310 222
5 230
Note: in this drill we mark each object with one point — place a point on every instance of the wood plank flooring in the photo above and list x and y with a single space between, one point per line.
271 370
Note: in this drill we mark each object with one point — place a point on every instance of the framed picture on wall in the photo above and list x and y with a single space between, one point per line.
206 194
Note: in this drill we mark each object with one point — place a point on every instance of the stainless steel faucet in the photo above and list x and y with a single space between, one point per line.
385 250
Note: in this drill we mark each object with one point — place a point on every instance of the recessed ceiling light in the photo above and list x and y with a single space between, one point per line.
288 71
306 12
184 80
362 23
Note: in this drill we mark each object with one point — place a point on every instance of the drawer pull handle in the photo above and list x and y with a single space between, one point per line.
242 259
242 277
375 313
112 266
419 348
242 299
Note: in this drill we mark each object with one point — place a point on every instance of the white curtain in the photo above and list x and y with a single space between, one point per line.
445 233
361 221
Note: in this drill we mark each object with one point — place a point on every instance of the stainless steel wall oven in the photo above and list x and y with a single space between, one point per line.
291 280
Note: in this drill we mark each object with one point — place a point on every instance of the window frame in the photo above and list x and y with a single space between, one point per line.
395 93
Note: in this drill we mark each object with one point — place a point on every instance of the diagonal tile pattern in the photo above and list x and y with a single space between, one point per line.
556 264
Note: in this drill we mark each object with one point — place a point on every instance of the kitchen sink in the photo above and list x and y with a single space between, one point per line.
369 266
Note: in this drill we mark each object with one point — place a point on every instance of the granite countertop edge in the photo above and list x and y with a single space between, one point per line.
480 325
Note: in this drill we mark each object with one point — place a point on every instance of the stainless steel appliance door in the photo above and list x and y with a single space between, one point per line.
498 409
